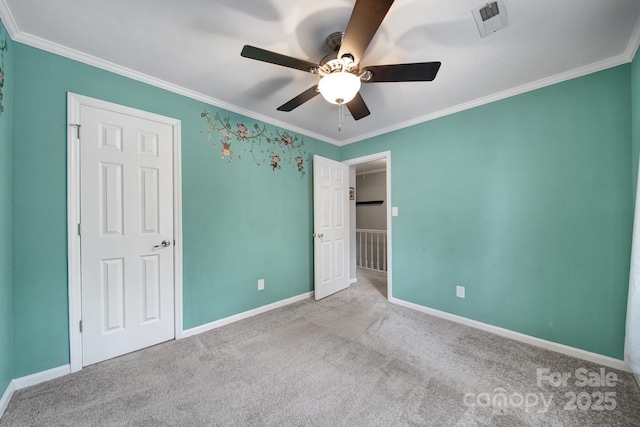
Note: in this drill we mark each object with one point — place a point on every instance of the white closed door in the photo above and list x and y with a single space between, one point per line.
331 226
126 211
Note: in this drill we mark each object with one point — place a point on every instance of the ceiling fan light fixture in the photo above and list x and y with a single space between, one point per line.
339 87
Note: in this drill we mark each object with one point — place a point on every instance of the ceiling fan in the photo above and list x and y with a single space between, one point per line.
340 73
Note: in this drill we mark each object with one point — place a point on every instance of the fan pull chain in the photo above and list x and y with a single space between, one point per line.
340 104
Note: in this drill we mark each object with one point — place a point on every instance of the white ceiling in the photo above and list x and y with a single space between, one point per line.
193 47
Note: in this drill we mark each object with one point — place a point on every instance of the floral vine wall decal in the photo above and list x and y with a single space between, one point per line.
272 148
3 49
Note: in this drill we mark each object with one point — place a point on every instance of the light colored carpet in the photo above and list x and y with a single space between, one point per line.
351 359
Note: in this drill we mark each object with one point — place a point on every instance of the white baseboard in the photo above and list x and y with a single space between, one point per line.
538 342
29 380
352 281
244 315
40 377
6 397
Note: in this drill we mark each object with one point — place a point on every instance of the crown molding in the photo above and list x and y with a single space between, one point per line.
547 81
46 45
7 19
634 42
85 58
626 57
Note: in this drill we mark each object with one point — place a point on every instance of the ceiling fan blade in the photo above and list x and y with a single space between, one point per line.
278 59
416 72
357 107
365 20
300 99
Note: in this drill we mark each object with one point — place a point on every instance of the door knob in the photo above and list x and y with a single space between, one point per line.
163 244
320 235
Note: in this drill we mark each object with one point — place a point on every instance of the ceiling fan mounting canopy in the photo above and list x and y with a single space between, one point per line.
334 41
340 70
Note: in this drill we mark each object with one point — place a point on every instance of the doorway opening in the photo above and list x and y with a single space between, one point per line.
370 221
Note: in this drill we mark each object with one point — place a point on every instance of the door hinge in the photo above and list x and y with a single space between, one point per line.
79 229
77 126
80 324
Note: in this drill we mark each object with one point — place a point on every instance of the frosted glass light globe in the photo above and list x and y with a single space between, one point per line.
339 87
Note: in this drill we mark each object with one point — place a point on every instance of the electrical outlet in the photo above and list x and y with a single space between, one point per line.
260 284
460 291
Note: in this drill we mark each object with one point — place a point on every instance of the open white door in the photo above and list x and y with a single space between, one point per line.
331 226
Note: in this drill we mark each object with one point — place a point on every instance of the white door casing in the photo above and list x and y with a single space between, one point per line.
331 226
124 282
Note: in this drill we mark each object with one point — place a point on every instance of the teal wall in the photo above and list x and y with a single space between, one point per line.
527 203
241 222
635 118
6 276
